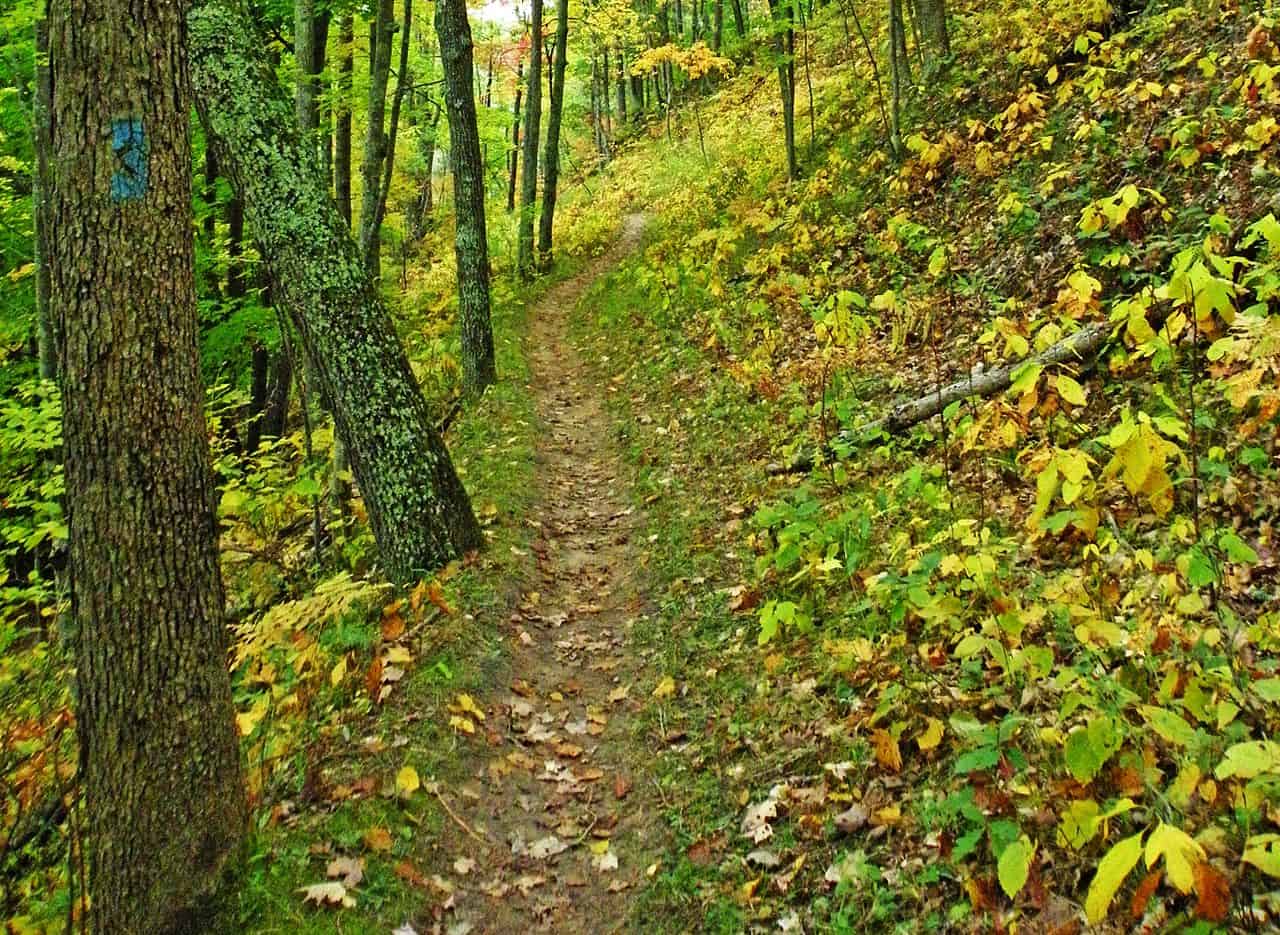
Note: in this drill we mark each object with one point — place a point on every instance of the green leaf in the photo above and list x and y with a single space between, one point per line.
1112 870
1249 759
1070 390
1261 851
1267 689
1237 549
1169 725
1026 378
1014 866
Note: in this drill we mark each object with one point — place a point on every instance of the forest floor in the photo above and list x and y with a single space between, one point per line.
554 829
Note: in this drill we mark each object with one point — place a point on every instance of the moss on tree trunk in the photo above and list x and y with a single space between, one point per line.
418 509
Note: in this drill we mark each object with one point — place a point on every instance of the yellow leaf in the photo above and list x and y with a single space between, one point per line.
931 736
666 688
459 723
467 705
1051 76
600 847
246 721
407 782
1180 851
1112 870
1070 390
339 672
886 749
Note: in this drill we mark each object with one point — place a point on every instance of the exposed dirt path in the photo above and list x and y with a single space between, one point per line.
553 832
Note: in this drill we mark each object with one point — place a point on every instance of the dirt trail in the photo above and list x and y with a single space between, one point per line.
554 816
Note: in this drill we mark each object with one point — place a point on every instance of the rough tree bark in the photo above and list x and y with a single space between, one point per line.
526 263
417 507
159 760
471 245
551 149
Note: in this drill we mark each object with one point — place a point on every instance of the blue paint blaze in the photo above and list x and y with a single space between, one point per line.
129 143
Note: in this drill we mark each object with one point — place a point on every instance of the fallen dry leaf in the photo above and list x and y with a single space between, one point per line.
327 894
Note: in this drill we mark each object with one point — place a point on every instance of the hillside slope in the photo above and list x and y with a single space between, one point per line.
1009 662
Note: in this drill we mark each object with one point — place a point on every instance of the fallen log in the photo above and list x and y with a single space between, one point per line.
1086 342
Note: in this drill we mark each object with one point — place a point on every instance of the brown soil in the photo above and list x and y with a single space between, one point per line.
554 830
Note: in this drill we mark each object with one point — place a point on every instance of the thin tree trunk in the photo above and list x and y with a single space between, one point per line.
605 98
381 32
418 509
551 151
471 244
526 262
41 196
620 85
257 396
784 49
717 35
342 122
275 415
159 761
515 138
739 21
209 225
932 15
403 81
422 204
897 57
236 285
324 123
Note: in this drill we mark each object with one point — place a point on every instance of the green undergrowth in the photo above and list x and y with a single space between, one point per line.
344 793
1018 663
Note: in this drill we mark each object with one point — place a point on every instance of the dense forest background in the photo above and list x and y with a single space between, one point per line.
921 385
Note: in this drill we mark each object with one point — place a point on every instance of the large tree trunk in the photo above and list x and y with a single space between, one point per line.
515 138
381 32
159 761
41 195
551 151
419 512
471 244
342 119
525 260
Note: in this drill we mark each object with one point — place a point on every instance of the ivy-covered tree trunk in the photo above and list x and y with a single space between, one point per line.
525 260
381 32
419 512
471 244
342 119
159 760
514 161
551 152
